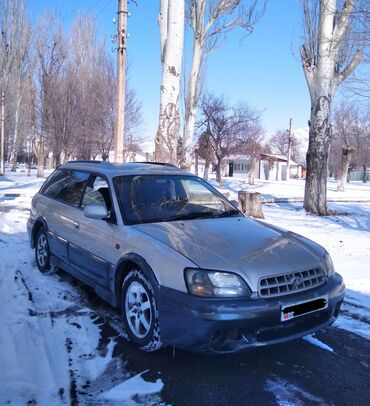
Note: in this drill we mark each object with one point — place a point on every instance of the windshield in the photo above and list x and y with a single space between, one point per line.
156 198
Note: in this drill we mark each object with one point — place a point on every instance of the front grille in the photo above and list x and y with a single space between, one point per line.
293 282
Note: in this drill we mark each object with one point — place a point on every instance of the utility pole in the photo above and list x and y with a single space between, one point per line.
121 81
289 150
2 139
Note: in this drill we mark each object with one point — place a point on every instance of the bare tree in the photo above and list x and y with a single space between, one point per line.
329 55
171 27
253 147
279 144
50 89
204 150
351 141
344 125
229 128
18 73
362 145
12 49
62 101
210 20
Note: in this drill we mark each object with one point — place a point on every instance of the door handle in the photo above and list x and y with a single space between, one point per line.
76 225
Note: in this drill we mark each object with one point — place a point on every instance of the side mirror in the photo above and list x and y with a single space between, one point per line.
96 211
234 203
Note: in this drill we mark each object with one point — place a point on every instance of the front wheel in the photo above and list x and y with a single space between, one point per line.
42 253
139 312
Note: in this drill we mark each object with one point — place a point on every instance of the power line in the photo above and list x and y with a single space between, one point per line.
105 6
94 5
72 12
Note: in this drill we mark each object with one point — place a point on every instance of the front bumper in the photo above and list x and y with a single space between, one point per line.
231 325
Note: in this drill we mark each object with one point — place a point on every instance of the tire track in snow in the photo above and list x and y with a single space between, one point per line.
18 275
356 317
82 387
73 392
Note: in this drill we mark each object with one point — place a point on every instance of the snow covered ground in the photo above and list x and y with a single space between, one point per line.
51 347
294 189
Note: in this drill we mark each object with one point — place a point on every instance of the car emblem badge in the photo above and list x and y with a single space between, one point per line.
296 282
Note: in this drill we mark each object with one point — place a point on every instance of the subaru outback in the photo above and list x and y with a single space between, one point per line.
185 267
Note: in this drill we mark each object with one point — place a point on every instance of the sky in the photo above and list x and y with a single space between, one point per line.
262 69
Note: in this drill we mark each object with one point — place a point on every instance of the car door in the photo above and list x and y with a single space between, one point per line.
91 246
61 197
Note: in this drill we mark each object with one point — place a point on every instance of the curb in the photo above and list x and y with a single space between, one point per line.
301 200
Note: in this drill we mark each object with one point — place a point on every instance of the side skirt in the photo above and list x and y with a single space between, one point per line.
102 292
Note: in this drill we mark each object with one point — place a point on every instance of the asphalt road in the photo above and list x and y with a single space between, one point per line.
295 373
292 374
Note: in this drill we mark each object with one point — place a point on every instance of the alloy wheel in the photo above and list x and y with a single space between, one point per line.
138 309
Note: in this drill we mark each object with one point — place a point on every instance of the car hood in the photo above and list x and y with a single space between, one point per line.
237 244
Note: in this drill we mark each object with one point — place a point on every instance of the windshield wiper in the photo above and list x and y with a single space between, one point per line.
203 214
228 213
191 215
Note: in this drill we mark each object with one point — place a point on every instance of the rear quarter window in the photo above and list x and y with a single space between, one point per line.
66 186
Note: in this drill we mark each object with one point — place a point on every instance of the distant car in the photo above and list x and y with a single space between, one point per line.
183 265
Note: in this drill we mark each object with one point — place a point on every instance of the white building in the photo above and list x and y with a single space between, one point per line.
269 167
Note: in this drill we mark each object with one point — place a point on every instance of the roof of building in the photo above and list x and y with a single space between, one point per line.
280 158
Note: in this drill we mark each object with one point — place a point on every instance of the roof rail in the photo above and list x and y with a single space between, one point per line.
111 163
156 163
85 162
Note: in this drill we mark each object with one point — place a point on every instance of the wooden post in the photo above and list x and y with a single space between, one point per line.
119 142
287 177
250 203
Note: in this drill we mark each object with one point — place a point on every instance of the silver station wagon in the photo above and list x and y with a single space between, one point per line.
185 267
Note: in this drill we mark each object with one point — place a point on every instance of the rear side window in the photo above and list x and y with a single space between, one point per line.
55 177
66 186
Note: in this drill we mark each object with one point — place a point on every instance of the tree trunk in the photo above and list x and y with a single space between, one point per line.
172 34
250 204
16 130
56 159
196 163
218 172
364 174
191 103
40 155
317 157
252 170
322 76
206 169
346 159
321 85
40 169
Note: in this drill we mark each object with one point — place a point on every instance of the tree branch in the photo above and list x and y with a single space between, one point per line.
342 25
341 76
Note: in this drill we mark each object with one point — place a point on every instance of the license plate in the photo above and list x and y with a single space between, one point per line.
293 310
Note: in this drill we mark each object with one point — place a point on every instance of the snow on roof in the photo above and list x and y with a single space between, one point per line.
281 158
247 158
239 157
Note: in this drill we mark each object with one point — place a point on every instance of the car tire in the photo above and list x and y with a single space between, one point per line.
139 312
42 252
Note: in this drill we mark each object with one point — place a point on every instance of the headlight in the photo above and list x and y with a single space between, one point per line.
205 283
329 266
